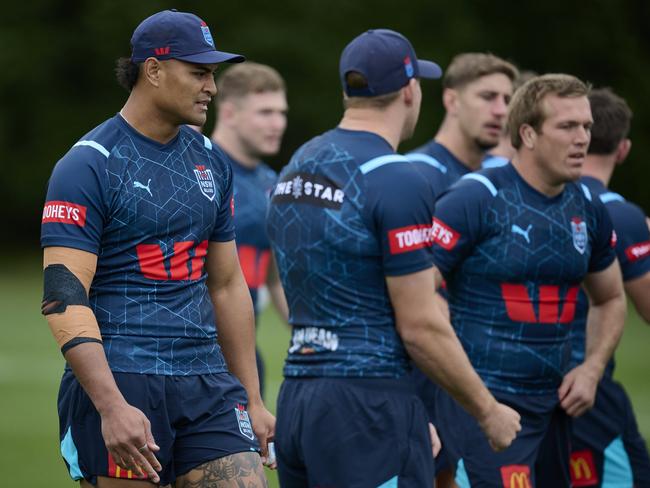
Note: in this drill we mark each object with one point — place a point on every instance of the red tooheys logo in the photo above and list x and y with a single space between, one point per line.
409 238
638 251
443 235
64 213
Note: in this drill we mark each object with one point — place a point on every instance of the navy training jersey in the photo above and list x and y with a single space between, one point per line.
632 250
252 187
148 211
438 165
347 212
513 260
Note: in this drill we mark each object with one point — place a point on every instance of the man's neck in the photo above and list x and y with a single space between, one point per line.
382 123
229 143
532 174
464 150
148 121
600 167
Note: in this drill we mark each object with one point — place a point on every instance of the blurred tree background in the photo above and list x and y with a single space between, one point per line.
58 56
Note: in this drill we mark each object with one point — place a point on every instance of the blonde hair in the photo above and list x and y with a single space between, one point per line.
468 67
526 105
246 78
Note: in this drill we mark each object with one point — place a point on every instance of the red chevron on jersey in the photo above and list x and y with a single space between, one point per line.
64 213
443 235
638 251
409 238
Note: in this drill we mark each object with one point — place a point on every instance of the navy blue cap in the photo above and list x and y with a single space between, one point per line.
386 59
171 34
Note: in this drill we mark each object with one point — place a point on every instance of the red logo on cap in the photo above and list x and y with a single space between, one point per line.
161 51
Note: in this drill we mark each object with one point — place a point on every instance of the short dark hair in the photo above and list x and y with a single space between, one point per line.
126 72
356 80
612 116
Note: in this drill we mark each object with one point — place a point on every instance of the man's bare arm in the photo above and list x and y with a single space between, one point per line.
604 329
432 344
236 326
125 429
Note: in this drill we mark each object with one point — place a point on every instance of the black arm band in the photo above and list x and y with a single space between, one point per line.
76 341
60 289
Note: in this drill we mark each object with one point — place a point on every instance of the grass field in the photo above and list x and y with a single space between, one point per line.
31 366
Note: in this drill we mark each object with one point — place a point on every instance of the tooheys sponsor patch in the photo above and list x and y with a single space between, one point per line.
638 251
64 213
310 189
409 238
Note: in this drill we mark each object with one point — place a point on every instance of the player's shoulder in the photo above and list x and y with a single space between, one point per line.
485 183
93 149
266 172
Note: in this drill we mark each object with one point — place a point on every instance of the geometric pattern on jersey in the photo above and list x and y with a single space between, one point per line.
514 259
438 165
632 250
252 187
150 210
327 223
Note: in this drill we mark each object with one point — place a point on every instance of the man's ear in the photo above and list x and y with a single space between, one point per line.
623 150
151 70
450 100
528 136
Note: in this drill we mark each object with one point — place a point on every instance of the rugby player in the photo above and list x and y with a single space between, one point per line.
350 225
607 448
252 109
477 88
514 244
139 258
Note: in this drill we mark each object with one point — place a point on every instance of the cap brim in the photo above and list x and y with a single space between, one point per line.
212 57
429 69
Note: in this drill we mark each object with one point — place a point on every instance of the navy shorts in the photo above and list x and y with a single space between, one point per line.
352 433
607 449
426 390
194 419
538 457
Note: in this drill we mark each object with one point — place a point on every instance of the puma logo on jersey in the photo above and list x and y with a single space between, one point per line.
524 233
137 184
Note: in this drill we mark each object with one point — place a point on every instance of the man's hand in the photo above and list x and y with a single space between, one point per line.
436 445
500 425
264 427
127 434
578 390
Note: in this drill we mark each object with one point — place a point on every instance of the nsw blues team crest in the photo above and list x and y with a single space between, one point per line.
579 233
206 34
245 426
206 181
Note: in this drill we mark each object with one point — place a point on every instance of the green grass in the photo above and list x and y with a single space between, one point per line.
31 366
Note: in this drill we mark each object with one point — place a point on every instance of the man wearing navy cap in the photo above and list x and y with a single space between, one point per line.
350 223
139 259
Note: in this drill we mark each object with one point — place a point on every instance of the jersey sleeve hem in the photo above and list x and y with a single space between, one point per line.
223 238
602 265
401 271
71 242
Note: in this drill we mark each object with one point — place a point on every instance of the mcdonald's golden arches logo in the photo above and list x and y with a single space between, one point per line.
583 469
516 476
